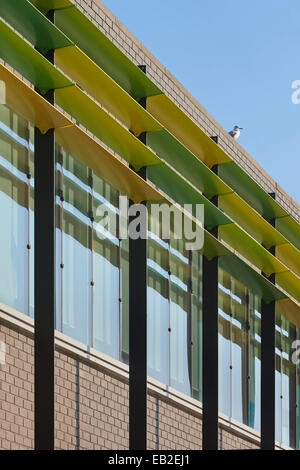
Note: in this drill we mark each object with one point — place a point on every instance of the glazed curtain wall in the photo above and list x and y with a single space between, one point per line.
240 362
174 315
92 289
239 351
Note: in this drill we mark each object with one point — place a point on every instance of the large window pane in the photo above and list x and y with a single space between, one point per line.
106 291
158 310
288 384
224 343
255 362
76 251
196 325
14 205
239 352
180 318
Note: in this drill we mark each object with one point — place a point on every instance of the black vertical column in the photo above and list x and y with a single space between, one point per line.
138 333
210 354
268 376
44 282
268 320
210 348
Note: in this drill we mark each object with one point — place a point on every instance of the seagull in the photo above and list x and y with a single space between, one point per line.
235 133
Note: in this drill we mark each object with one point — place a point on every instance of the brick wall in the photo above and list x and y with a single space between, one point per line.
91 406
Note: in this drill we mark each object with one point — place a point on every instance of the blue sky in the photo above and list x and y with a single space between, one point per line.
239 60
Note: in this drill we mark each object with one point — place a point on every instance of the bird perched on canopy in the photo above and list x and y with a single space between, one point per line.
235 133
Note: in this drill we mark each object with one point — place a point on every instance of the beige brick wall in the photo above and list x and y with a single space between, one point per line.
16 390
91 405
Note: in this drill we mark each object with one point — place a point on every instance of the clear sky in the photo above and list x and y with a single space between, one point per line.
239 59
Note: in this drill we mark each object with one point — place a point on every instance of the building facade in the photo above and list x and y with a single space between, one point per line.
215 318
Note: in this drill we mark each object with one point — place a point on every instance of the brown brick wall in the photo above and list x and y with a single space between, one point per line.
16 390
232 441
91 405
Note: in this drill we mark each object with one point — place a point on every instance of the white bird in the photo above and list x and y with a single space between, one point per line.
235 133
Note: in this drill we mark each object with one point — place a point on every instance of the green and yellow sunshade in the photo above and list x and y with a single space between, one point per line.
44 35
86 35
79 105
28 62
240 211
118 138
250 278
250 191
33 107
87 74
99 85
25 101
177 155
79 144
175 186
33 25
85 110
288 226
33 66
263 202
290 310
186 130
47 5
104 53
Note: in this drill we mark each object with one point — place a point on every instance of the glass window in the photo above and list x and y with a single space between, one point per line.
76 251
124 300
174 315
106 289
180 318
286 383
255 362
14 205
224 343
239 351
196 325
158 309
239 308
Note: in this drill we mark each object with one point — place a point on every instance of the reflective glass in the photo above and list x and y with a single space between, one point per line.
180 318
239 307
224 342
196 325
255 362
158 309
76 251
14 205
106 289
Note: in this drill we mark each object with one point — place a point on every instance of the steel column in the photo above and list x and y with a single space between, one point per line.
210 354
44 281
210 350
138 333
268 376
138 342
268 322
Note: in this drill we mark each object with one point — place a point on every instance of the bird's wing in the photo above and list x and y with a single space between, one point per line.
232 133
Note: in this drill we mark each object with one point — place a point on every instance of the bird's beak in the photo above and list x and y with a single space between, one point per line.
241 128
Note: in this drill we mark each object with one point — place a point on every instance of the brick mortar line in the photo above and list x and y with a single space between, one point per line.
74 349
